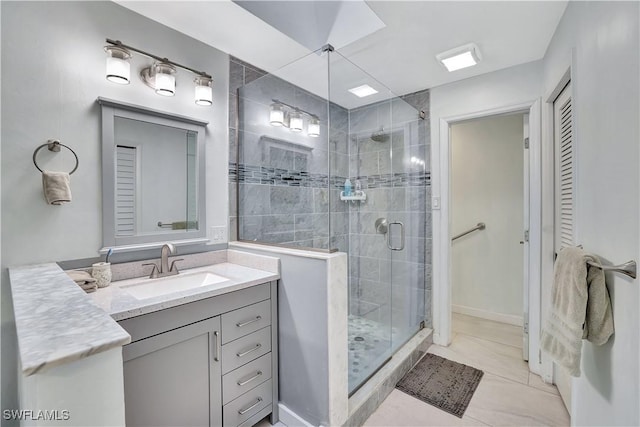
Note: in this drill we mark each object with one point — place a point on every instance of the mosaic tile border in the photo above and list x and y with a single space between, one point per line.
249 174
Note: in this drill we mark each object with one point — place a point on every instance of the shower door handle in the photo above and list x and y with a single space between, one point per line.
389 245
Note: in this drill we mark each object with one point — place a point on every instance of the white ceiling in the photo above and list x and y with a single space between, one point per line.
401 55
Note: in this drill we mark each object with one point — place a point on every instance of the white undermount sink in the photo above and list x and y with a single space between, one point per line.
166 285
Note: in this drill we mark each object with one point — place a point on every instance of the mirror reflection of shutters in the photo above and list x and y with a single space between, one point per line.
563 123
126 175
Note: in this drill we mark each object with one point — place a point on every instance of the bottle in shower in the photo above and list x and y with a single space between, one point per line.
347 188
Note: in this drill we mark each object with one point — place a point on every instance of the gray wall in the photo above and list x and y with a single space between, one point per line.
285 192
240 73
52 72
303 341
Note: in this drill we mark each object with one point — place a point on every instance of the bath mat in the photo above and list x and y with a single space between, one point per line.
440 382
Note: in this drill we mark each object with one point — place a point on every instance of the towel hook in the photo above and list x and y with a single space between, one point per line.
54 145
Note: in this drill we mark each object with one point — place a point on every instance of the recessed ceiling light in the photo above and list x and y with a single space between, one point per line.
460 57
362 91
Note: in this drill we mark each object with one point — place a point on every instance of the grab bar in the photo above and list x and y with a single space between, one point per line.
628 268
480 226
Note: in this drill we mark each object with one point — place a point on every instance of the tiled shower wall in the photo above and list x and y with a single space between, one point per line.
240 73
286 194
392 162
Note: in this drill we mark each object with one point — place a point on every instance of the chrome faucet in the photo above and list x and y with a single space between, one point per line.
164 269
167 249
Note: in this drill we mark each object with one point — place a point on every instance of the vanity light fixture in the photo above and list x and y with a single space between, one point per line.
460 57
276 114
313 127
161 75
295 121
204 91
283 114
118 66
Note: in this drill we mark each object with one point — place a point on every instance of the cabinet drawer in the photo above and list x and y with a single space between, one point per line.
241 322
245 349
245 378
247 405
151 324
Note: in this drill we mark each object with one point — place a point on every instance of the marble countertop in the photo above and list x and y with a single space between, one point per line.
57 322
122 305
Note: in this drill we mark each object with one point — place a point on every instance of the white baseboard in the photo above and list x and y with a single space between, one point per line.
489 315
290 418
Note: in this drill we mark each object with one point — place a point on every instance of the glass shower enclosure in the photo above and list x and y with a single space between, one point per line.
303 131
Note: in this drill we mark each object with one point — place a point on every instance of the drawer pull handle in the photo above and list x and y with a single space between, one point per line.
245 410
248 322
247 381
251 350
216 356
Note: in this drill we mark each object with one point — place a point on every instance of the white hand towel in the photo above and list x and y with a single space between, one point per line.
80 277
56 187
580 308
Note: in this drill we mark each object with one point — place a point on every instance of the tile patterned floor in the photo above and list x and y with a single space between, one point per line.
507 395
369 345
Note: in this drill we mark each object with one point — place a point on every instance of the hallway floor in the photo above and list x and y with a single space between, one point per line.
508 393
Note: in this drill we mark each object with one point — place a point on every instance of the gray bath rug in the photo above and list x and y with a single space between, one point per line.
442 383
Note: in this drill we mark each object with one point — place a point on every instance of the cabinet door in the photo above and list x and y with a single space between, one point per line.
174 378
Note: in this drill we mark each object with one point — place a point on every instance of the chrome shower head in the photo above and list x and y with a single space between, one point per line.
380 136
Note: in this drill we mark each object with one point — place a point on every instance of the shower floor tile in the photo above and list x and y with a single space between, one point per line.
369 345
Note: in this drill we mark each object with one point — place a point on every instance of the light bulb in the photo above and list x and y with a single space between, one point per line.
118 66
203 91
313 128
276 114
295 121
165 81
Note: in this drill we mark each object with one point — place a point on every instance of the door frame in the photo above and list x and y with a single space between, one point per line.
442 233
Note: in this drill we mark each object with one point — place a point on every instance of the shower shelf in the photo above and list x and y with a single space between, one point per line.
360 196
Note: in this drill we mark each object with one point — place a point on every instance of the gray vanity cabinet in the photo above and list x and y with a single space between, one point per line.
174 378
211 362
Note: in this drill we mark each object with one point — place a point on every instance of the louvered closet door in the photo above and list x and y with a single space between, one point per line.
564 145
126 178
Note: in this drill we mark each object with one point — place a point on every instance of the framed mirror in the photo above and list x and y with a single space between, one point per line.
153 177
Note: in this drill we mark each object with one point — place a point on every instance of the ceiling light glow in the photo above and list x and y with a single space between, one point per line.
362 91
460 57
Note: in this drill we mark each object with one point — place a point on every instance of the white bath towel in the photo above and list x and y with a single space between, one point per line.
580 308
56 187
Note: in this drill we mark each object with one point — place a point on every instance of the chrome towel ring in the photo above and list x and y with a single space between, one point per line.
54 145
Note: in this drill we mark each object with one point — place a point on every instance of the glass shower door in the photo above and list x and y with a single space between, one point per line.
387 158
406 238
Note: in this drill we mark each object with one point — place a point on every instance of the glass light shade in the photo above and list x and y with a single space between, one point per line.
313 128
118 66
295 121
276 115
204 92
165 81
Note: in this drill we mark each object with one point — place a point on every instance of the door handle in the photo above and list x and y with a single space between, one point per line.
216 346
402 238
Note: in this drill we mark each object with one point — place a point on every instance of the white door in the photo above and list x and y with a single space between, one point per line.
564 204
525 241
